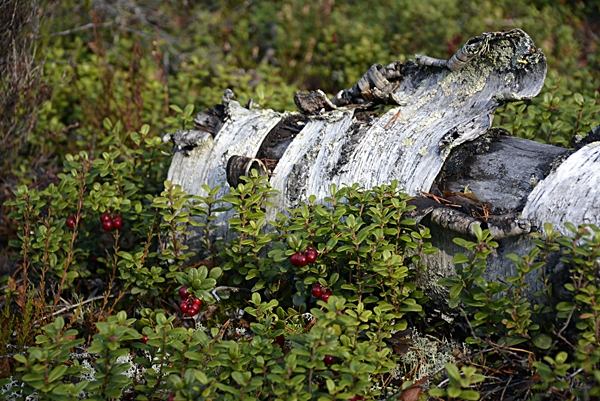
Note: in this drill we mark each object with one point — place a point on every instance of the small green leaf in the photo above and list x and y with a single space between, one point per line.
454 392
561 357
215 273
238 377
564 306
437 392
460 258
453 372
455 290
57 372
542 341
294 242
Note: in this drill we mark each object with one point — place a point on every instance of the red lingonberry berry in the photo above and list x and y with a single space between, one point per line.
193 310
356 398
171 398
117 221
183 306
105 217
311 255
301 260
108 225
197 303
325 296
70 222
280 340
329 360
183 292
144 339
317 290
294 259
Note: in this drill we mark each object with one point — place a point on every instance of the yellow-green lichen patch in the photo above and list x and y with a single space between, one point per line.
201 146
431 120
424 99
401 97
502 55
467 81
510 77
405 117
408 142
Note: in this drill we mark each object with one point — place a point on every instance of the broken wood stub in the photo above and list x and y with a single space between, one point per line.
238 166
210 120
281 135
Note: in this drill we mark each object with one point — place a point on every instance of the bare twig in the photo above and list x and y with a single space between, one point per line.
390 124
223 328
87 301
559 334
505 387
68 308
572 375
15 282
11 355
225 288
70 31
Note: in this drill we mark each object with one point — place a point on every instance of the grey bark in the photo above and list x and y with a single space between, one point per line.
436 138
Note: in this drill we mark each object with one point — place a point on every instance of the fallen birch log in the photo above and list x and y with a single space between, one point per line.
435 140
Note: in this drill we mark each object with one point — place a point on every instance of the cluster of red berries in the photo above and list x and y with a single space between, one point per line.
304 258
110 223
323 293
189 303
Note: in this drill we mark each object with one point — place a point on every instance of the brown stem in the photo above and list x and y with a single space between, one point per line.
70 251
26 248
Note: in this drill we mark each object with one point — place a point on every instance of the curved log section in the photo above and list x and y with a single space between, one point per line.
336 143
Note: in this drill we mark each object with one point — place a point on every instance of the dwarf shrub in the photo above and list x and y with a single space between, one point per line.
280 341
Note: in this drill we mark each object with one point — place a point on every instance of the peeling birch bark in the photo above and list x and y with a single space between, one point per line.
428 142
570 194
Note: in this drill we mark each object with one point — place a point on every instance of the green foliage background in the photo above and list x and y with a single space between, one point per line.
128 61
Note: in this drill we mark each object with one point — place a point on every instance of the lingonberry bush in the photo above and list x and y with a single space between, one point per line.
303 307
361 250
562 337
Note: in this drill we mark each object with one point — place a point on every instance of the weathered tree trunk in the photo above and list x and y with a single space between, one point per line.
436 140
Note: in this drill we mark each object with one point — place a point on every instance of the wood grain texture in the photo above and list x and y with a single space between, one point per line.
499 170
